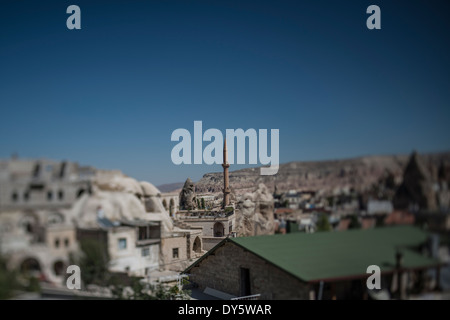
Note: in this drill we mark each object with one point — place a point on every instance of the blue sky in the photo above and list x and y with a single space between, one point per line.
110 94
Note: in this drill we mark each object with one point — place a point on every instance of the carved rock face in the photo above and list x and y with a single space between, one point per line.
188 199
255 215
416 188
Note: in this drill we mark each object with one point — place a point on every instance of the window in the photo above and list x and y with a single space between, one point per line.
14 197
66 242
148 232
60 195
26 196
57 243
49 195
230 228
219 229
122 243
58 268
197 247
144 233
36 171
145 252
175 253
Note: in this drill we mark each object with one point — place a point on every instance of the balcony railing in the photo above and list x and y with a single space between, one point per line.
251 297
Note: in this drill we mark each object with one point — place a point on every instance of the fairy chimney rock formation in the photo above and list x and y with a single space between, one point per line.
188 200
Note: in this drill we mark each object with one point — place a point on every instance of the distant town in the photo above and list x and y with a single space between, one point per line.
232 235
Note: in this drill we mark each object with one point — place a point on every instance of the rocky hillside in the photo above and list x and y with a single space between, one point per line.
326 176
171 187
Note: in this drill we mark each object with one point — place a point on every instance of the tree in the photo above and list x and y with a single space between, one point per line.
354 222
93 262
8 280
330 201
203 203
323 224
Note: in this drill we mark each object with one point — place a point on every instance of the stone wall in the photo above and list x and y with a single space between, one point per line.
221 271
41 183
208 224
61 240
211 242
167 245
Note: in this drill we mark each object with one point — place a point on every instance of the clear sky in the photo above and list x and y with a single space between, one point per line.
110 94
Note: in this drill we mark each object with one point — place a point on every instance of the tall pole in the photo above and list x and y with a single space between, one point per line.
226 186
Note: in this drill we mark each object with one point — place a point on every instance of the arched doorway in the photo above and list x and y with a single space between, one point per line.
30 266
197 247
219 229
58 268
171 206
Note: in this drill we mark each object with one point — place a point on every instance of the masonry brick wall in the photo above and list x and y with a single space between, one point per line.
221 271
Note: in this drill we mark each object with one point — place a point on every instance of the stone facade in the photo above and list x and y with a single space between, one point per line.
174 251
171 202
61 239
222 271
210 242
214 227
48 207
218 227
128 256
42 183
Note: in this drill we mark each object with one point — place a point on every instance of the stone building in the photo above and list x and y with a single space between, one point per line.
213 225
35 199
26 184
48 207
37 241
323 265
171 202
139 232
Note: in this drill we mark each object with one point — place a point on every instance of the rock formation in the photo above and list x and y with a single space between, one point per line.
255 213
330 176
119 198
416 191
188 199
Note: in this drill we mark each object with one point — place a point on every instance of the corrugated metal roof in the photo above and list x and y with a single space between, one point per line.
333 255
105 223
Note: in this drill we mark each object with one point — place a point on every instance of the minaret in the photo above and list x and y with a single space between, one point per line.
225 165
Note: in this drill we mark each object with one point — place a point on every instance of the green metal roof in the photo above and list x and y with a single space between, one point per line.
333 255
